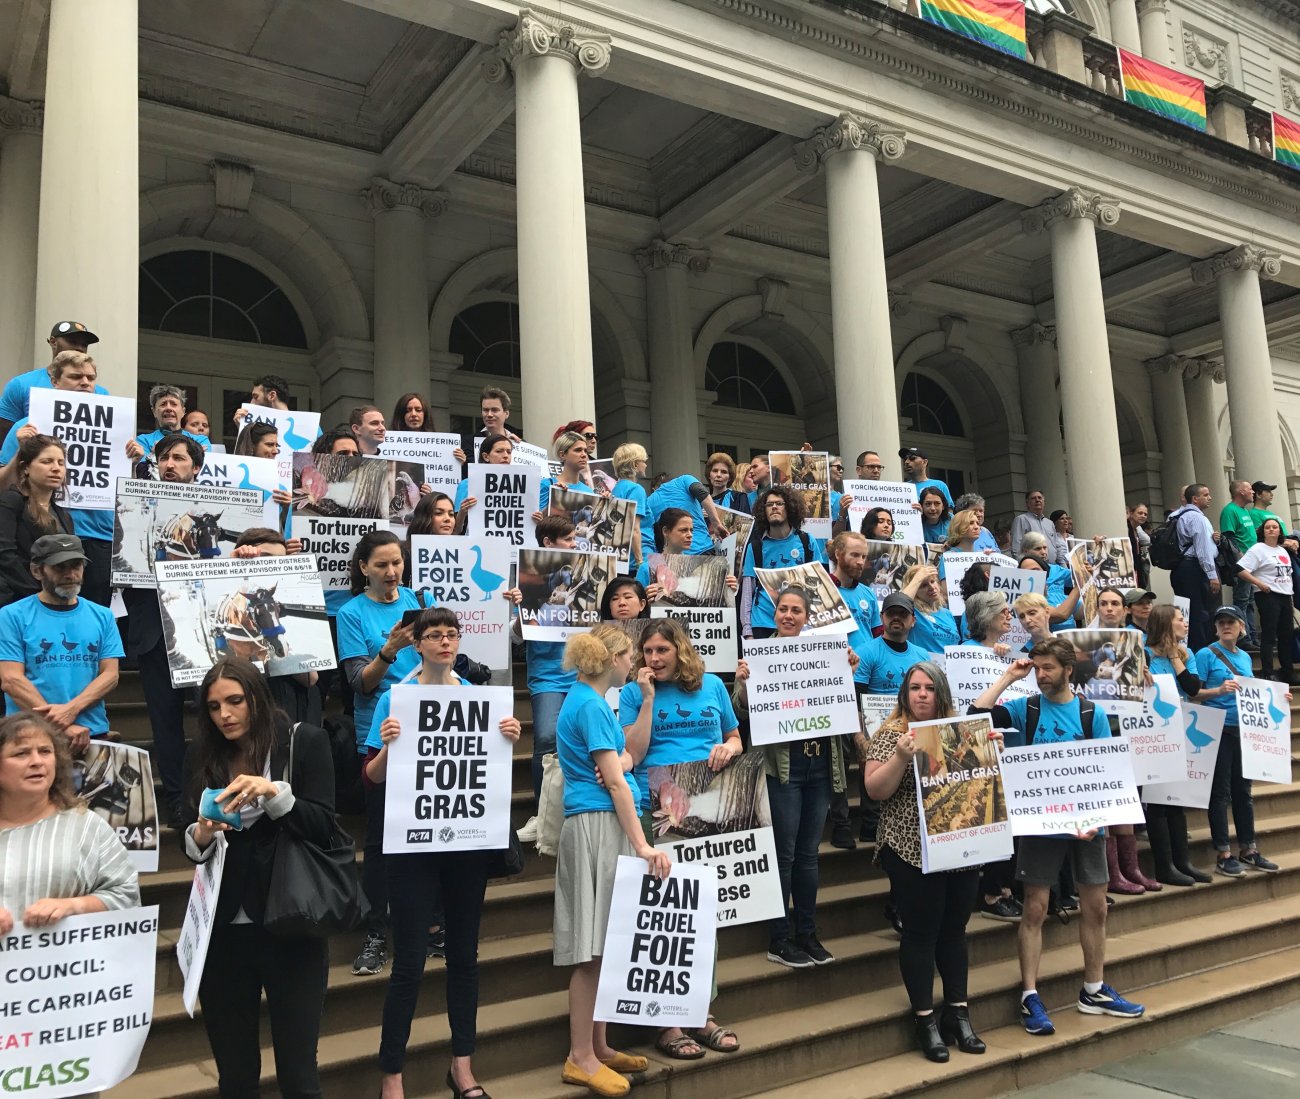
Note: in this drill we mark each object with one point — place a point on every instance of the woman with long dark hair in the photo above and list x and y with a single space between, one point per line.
29 511
878 525
411 413
935 515
242 751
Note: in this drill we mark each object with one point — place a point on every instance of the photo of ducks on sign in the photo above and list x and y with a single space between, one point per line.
561 590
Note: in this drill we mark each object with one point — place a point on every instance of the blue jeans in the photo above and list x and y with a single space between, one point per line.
799 810
546 713
1243 598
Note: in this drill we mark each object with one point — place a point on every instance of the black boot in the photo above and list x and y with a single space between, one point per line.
1158 833
928 1040
955 1029
1178 845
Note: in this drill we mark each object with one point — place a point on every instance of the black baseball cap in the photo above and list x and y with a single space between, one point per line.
57 549
897 600
1228 611
913 452
1262 486
73 328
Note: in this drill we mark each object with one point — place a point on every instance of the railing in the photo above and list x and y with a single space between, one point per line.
1259 130
1101 59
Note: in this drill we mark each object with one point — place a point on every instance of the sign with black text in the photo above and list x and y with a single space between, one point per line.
522 454
506 500
297 431
800 688
470 578
956 563
972 669
1265 722
601 524
562 590
245 471
875 710
431 449
895 497
808 472
95 430
1111 667
1063 789
1014 583
712 630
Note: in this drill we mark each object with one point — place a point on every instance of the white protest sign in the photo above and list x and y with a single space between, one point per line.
507 498
1156 734
200 915
297 431
468 577
77 1002
800 688
1073 786
749 885
808 472
1183 604
1014 583
657 964
448 786
245 471
431 449
955 565
115 781
95 430
960 803
712 630
875 710
1202 734
1264 717
522 454
896 497
972 669
333 542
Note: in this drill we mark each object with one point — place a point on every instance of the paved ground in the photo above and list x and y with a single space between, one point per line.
1258 1058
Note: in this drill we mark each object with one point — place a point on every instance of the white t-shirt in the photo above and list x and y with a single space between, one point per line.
1271 564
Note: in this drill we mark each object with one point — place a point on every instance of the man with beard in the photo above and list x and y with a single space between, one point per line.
66 680
167 403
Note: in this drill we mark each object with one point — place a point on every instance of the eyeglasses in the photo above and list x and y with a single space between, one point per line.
440 635
590 436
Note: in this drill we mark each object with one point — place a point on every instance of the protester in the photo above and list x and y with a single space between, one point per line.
1140 541
584 428
412 412
777 541
688 494
196 422
422 888
986 539
366 423
964 531
600 824
258 440
243 754
886 658
916 471
494 411
933 908
1063 594
1031 519
987 620
1237 535
1269 567
61 860
869 467
493 450
1139 603
624 600
744 484
15 401
878 525
760 471
29 512
1060 540
720 474
935 515
70 371
1196 576
570 449
934 628
167 404
1034 613
630 461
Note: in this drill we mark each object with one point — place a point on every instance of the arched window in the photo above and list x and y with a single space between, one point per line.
745 378
486 336
928 406
1045 6
202 293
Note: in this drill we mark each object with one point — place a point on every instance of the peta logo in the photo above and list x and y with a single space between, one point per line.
419 835
628 1007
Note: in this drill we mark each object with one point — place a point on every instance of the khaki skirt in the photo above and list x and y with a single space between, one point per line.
590 844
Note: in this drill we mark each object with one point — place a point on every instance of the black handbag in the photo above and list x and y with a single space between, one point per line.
314 890
508 861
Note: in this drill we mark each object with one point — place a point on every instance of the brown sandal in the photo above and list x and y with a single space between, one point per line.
672 1047
713 1039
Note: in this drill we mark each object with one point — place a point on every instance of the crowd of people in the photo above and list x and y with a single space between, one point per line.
259 746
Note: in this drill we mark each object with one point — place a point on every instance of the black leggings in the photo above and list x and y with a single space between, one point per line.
374 882
934 910
1276 627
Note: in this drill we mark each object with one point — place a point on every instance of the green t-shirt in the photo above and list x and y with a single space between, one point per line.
1258 515
1235 520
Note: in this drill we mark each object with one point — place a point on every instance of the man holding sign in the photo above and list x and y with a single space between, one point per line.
1056 717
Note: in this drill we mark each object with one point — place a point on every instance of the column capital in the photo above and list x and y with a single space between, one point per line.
537 35
848 133
1034 334
1144 6
383 195
1072 203
1204 368
1245 257
1167 364
660 254
17 116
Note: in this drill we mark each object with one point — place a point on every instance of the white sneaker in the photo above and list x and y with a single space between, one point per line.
528 833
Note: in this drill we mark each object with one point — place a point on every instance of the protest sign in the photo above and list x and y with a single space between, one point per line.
1076 786
95 430
522 454
1107 562
448 786
1202 734
896 497
827 611
166 521
506 500
402 485
712 631
337 500
601 524
200 917
800 688
603 477
887 564
469 578
1014 583
1264 716
115 781
245 471
959 797
953 566
561 590
1111 668
270 610
297 431
430 449
695 592
738 524
875 710
1156 733
78 1002
808 472
657 963
721 819
972 669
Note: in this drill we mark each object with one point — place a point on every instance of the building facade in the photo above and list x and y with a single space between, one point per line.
705 224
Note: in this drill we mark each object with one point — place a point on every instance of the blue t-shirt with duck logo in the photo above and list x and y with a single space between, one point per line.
1058 722
778 553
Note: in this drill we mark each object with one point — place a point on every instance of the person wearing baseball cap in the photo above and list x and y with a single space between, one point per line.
916 467
59 652
1262 510
14 401
884 660
1138 602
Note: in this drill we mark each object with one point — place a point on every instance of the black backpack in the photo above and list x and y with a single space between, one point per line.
1034 710
1166 549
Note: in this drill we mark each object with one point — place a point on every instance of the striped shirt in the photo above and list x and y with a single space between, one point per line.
74 853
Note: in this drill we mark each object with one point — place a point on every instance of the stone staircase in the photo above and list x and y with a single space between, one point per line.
1197 958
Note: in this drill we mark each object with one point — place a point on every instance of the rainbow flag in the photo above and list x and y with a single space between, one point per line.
1286 141
996 23
1162 90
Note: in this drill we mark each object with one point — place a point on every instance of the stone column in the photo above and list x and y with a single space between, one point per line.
1124 30
1040 403
867 410
674 411
1153 30
401 287
1177 464
1083 351
20 195
1247 360
546 57
1199 376
88 250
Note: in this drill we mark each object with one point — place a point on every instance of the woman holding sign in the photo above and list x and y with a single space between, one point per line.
571 451
493 450
600 824
934 908
424 888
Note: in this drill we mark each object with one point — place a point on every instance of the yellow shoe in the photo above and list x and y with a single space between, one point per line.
628 1062
605 1081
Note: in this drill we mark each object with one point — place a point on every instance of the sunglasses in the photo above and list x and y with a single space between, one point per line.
590 436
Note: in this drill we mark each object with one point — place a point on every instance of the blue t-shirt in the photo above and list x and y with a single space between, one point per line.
676 494
1213 673
151 439
363 627
546 674
545 493
627 489
882 667
686 724
778 553
936 533
933 631
384 707
335 600
60 650
16 398
985 541
865 608
1058 722
932 483
587 725
462 492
